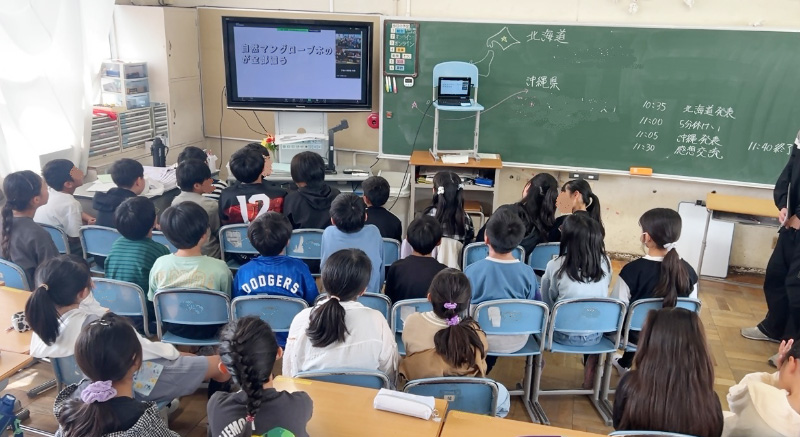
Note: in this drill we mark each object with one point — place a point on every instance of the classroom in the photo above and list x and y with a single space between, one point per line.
399 217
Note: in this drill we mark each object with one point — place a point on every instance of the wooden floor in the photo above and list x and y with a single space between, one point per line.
727 307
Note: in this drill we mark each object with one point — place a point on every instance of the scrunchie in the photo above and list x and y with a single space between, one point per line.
440 190
670 246
453 321
451 305
100 391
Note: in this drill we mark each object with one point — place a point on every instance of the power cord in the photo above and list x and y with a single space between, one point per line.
413 146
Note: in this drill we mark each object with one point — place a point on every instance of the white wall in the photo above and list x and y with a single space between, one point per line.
623 198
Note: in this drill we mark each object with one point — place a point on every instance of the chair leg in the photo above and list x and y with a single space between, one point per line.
534 396
526 390
601 407
605 390
39 389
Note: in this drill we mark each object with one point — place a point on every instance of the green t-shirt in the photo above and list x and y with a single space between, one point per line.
204 272
131 260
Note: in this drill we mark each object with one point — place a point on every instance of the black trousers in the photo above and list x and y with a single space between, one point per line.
782 288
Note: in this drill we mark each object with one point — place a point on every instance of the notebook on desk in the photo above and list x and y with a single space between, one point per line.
454 91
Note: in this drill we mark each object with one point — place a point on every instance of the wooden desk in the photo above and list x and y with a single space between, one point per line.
423 157
342 410
12 301
460 424
11 363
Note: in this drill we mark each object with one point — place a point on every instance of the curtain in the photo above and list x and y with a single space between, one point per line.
50 57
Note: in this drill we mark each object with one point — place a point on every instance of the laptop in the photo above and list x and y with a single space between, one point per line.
454 91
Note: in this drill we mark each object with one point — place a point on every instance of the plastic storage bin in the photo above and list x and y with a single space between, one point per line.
129 86
124 70
130 101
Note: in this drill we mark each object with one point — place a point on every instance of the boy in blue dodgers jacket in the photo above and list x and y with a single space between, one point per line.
273 272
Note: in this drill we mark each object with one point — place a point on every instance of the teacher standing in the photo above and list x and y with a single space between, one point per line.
782 281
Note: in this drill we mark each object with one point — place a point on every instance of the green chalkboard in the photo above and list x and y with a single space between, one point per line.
401 48
718 104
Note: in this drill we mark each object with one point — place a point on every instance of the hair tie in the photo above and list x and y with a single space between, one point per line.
335 297
99 391
250 418
46 288
670 246
453 321
450 305
591 199
460 186
440 190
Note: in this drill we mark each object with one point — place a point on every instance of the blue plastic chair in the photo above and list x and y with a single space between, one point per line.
66 371
59 237
358 377
519 317
578 316
233 239
376 301
306 244
477 251
13 275
278 311
190 307
637 314
542 254
159 237
401 310
122 298
473 395
97 240
391 251
648 434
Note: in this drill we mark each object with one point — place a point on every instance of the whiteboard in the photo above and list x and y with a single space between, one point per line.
718 245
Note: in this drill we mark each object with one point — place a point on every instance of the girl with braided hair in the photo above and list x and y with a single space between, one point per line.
22 241
248 352
446 341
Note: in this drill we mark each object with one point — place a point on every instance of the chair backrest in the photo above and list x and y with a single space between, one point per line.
455 69
402 309
305 244
97 240
278 311
376 301
122 298
637 312
233 239
513 317
58 235
542 254
357 377
598 314
449 252
647 434
473 395
391 251
477 251
13 275
159 237
66 371
191 307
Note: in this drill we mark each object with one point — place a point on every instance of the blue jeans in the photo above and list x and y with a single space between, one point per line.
577 339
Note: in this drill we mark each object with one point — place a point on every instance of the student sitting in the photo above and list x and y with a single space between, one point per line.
23 242
62 305
671 387
128 174
267 170
62 208
501 275
348 214
661 273
582 270
186 226
194 180
410 277
248 197
107 405
134 254
340 332
309 206
442 343
764 404
273 272
248 352
376 193
192 152
579 197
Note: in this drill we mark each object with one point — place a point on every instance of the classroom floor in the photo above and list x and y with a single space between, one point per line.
727 307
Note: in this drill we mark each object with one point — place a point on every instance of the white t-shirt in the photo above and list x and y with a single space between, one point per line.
62 210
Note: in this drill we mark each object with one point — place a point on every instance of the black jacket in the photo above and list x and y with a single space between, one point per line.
788 183
309 207
106 203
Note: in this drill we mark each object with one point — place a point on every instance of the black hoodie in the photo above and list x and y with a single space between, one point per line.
106 203
309 207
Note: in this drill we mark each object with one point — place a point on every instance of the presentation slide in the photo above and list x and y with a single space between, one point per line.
457 87
298 64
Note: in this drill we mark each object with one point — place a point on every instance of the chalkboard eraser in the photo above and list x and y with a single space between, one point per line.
642 171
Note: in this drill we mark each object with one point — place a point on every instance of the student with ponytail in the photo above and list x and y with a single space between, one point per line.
447 207
62 304
445 341
248 352
22 241
104 403
579 197
340 332
660 273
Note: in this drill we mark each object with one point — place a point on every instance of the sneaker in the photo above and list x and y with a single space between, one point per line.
755 334
615 362
773 361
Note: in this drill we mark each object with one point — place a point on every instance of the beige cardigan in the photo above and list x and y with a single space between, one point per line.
760 408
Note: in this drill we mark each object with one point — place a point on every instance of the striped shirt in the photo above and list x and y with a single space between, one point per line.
218 185
131 260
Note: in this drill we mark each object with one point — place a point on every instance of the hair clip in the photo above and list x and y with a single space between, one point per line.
440 190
